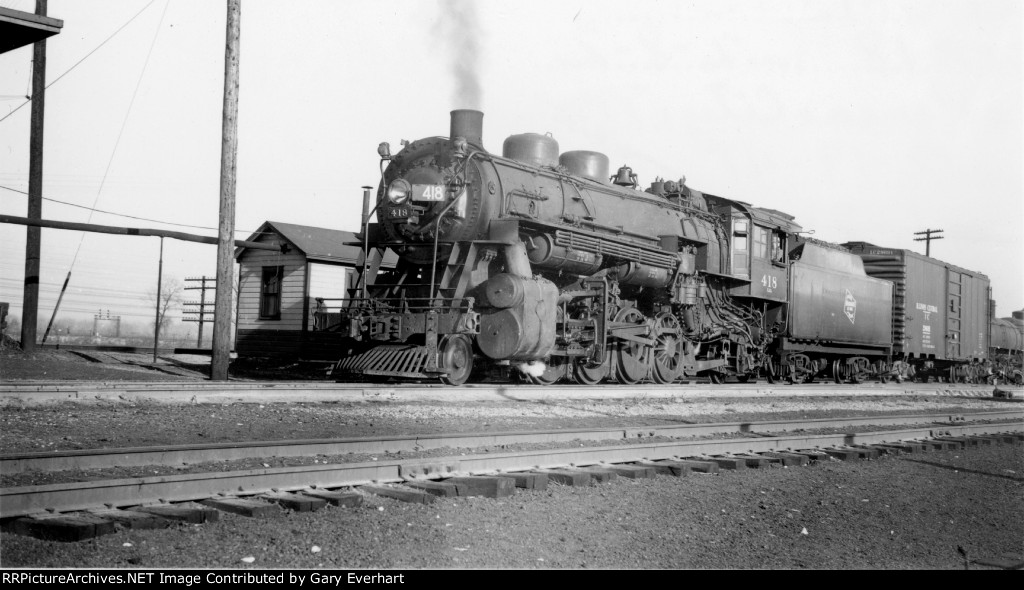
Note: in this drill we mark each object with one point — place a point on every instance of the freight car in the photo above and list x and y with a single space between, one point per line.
543 264
941 323
1007 350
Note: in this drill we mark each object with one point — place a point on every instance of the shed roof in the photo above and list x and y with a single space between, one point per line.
317 243
18 28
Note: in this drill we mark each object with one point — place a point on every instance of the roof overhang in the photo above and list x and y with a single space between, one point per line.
18 28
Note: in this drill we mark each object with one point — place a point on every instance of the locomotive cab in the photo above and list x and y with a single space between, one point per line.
759 241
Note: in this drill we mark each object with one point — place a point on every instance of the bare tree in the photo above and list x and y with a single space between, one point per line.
171 292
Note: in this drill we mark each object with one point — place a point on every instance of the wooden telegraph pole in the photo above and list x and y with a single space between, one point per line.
33 235
226 228
929 235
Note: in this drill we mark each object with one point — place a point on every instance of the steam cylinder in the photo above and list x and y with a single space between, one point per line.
526 330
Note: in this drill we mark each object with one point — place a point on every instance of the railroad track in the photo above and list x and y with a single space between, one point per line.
72 511
175 455
47 392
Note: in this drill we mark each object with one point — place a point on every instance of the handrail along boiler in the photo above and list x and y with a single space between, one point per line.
543 263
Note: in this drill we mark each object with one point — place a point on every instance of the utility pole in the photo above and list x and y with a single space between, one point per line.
159 280
226 227
33 235
927 239
201 303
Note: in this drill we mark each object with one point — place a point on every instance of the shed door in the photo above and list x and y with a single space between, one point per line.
953 315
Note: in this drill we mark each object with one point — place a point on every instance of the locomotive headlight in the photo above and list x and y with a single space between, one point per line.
399 191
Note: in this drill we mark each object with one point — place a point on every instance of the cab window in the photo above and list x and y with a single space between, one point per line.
760 242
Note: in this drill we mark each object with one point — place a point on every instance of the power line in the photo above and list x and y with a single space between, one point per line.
119 214
83 59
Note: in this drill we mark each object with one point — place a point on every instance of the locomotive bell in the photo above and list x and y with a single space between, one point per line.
624 177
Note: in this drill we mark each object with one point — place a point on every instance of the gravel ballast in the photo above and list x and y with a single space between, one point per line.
906 511
911 511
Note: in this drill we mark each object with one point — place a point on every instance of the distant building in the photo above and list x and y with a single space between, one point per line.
288 301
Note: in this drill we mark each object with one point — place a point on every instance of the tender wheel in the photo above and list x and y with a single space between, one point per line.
456 354
554 370
667 355
837 371
633 358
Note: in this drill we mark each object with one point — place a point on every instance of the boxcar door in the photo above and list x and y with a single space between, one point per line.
953 312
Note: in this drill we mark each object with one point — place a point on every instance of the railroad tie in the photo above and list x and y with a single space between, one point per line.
631 471
729 463
184 512
132 519
814 455
441 489
699 466
403 494
527 479
568 477
600 473
787 459
881 449
757 460
242 506
486 486
295 502
667 467
842 454
66 527
340 498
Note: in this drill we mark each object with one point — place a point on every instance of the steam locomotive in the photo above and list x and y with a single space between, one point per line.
545 266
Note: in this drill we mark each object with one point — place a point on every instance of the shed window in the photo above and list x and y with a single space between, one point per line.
270 292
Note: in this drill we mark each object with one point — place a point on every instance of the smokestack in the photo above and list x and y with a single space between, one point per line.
469 124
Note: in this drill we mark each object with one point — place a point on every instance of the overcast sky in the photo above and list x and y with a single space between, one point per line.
867 120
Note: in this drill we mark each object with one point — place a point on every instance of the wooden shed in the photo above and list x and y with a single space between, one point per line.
288 301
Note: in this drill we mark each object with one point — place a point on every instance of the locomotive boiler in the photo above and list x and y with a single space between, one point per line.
546 264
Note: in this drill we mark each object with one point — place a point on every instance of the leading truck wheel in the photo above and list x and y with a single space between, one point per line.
456 356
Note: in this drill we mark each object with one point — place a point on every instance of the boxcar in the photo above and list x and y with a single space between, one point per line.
940 311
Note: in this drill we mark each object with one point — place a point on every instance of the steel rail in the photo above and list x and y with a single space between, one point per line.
198 453
21 501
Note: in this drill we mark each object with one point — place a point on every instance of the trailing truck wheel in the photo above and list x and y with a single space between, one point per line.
456 356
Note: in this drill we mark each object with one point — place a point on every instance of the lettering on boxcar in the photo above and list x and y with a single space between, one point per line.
928 310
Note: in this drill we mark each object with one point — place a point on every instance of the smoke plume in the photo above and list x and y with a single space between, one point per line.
532 368
459 27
